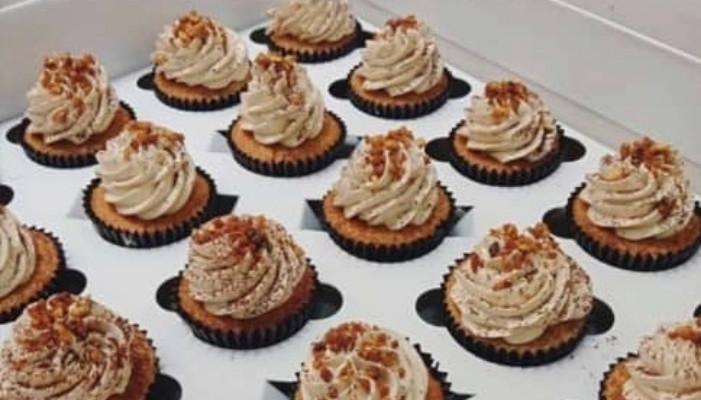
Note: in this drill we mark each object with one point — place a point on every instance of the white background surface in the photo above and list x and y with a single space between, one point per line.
126 280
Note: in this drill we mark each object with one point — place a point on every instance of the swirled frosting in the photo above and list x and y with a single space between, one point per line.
388 181
72 101
403 58
197 50
357 361
313 21
66 347
146 171
509 123
281 105
641 192
243 266
17 253
514 285
668 365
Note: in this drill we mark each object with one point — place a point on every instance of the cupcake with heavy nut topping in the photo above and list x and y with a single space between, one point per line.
283 128
313 30
638 211
401 74
508 137
667 367
73 111
247 283
199 64
70 347
388 204
517 299
148 191
30 262
356 360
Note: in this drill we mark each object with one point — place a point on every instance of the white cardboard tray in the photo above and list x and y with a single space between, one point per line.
126 280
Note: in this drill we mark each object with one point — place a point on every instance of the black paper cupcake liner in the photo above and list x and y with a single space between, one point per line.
607 374
396 253
65 162
250 340
621 259
537 172
432 366
399 111
289 169
321 55
493 354
216 103
51 286
145 240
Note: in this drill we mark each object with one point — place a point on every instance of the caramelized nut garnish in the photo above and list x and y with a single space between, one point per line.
193 26
408 22
145 134
658 157
243 234
389 145
505 95
686 332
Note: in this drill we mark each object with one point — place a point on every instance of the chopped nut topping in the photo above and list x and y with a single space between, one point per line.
658 157
408 22
145 134
390 145
513 247
505 96
244 234
193 26
686 332
72 75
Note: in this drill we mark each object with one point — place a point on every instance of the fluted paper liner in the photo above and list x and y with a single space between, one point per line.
134 239
215 103
322 55
619 257
612 367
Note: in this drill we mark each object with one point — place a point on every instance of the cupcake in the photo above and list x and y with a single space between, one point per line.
73 111
30 262
356 360
148 192
199 64
313 30
667 366
517 299
401 74
283 128
508 137
247 284
637 211
388 204
70 347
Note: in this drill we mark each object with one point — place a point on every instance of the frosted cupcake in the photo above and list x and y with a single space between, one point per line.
313 30
356 360
517 299
283 128
30 262
388 204
667 366
148 191
73 111
70 347
199 64
508 137
401 74
247 283
638 210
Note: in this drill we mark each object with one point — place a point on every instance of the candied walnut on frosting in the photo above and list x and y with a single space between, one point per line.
505 96
399 23
279 66
658 157
687 332
145 134
62 72
391 145
514 246
244 234
194 26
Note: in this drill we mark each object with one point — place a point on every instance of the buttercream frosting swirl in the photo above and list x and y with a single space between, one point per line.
514 285
668 366
66 347
146 171
388 181
17 253
357 361
509 123
313 21
403 58
641 192
197 51
281 105
243 266
72 100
